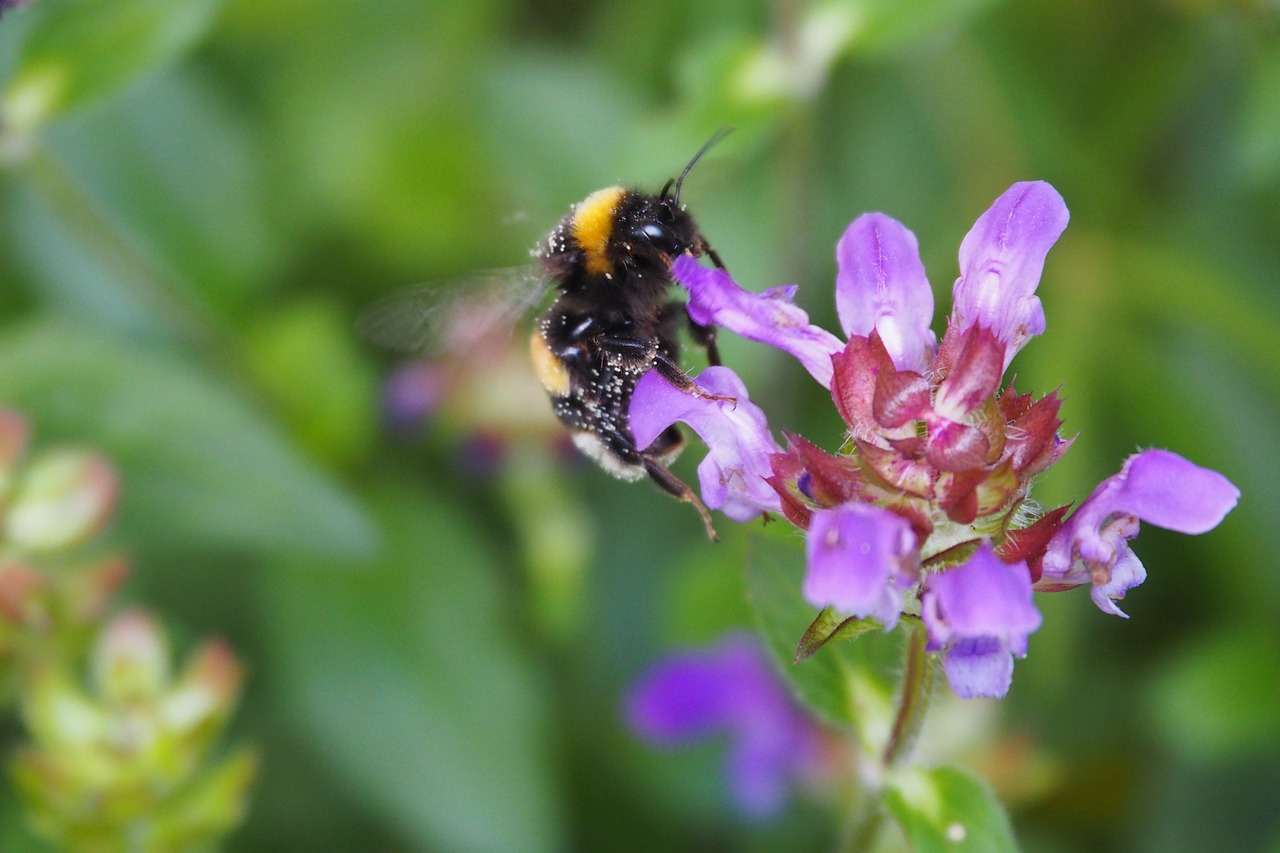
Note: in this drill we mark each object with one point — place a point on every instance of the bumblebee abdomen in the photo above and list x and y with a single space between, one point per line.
552 372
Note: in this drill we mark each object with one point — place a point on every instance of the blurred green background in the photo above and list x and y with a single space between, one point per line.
199 198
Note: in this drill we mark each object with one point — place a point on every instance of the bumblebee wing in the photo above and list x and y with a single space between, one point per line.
455 317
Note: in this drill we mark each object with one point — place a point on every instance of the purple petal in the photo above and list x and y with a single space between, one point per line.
769 317
739 444
983 597
1164 489
1001 259
981 667
854 555
881 286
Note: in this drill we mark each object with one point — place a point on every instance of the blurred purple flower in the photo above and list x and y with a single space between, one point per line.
731 688
411 396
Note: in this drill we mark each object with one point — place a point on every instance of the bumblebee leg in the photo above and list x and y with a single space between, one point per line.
676 487
705 337
639 352
677 377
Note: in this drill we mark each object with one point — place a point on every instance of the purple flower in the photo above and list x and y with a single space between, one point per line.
1155 486
732 476
1001 259
730 688
858 559
979 614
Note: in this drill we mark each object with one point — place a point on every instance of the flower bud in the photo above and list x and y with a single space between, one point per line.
63 498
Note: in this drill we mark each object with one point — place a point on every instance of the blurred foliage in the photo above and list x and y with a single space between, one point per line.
199 198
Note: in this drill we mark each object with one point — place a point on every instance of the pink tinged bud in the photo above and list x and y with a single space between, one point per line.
831 479
1156 486
769 317
733 475
206 690
979 614
881 286
1001 259
20 589
131 659
901 397
14 432
899 472
64 498
956 447
857 557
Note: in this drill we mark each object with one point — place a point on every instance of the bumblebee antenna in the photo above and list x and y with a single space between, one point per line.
715 137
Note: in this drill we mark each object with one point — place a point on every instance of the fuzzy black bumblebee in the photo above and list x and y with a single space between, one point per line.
614 319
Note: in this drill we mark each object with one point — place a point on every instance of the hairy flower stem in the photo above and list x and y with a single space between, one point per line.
917 686
864 822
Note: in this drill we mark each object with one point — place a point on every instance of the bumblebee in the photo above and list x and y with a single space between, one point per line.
613 319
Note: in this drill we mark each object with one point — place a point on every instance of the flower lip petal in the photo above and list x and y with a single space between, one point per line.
734 474
978 667
1164 489
1001 259
881 286
982 597
770 318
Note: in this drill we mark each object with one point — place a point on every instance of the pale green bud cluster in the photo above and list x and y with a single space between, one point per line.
121 757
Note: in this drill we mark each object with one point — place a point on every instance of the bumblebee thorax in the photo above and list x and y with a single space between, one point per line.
592 225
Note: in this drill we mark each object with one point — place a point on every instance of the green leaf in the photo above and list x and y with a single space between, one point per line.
206 232
80 50
847 682
305 357
948 810
408 677
197 463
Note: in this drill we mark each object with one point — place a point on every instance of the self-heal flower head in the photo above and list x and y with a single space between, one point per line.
979 615
1154 486
929 498
730 688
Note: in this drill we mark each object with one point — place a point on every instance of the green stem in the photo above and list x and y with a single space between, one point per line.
917 686
863 825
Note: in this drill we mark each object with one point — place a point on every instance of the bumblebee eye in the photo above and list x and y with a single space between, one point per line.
658 236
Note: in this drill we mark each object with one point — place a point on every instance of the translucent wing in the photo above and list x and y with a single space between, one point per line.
457 317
